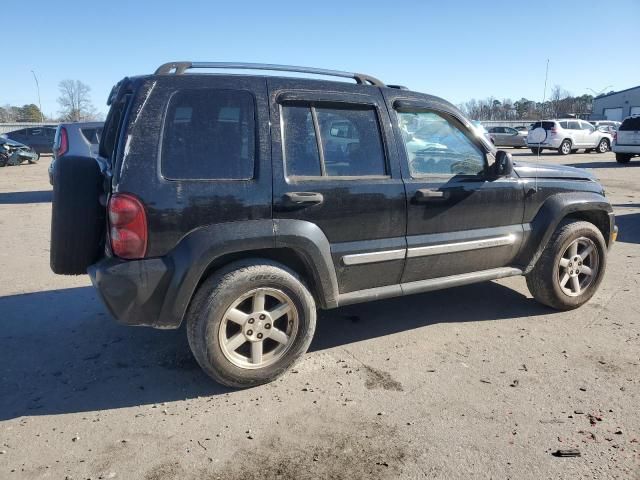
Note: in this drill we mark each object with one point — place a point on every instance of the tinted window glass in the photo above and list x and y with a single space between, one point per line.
436 146
300 145
587 126
573 125
209 134
630 124
545 125
351 142
564 124
92 135
350 139
510 131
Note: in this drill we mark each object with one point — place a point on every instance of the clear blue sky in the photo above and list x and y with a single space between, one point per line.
455 49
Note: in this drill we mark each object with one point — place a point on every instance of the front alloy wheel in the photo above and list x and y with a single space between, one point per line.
571 267
578 266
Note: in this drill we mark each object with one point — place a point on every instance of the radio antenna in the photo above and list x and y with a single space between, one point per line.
544 99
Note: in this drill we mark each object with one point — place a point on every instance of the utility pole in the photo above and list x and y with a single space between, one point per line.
38 88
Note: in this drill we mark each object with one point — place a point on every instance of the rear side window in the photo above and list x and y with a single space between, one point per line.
209 134
92 135
630 124
545 125
332 142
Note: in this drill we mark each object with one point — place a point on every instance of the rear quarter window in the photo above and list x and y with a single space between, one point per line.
209 134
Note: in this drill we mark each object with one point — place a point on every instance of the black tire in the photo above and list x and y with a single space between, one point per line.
603 146
536 150
218 293
623 157
77 218
543 282
565 147
33 161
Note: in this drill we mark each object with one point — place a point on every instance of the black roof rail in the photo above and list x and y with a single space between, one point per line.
399 87
178 68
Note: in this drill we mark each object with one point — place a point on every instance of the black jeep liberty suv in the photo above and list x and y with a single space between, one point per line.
241 203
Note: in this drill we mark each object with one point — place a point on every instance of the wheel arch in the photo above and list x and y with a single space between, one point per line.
299 245
587 206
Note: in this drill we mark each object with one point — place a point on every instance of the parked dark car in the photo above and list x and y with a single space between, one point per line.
38 138
241 203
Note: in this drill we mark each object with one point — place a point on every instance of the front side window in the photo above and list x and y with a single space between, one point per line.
209 134
587 126
437 146
332 142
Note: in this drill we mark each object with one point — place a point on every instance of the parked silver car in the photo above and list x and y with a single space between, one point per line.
568 136
78 139
626 143
508 137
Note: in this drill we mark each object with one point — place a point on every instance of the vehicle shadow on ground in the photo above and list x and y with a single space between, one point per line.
62 353
628 228
15 198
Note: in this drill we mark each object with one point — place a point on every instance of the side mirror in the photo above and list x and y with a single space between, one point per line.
503 166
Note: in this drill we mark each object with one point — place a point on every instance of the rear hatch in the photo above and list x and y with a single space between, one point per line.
629 132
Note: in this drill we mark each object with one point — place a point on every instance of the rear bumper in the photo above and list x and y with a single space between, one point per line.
633 149
547 144
134 291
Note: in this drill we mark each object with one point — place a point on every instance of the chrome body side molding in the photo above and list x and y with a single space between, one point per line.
500 241
373 257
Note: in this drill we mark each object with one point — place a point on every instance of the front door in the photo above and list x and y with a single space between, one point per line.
460 219
335 165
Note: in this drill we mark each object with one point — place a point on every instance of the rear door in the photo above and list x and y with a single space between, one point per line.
459 218
335 165
498 135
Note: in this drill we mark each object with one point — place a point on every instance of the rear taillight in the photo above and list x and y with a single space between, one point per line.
128 222
615 136
64 142
554 130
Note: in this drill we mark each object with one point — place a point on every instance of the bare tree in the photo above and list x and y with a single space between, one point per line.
75 101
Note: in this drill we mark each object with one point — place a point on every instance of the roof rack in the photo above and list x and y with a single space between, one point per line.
178 68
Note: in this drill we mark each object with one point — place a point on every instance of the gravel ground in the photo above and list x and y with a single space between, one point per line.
477 381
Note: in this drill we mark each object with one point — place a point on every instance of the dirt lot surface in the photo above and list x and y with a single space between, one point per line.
477 381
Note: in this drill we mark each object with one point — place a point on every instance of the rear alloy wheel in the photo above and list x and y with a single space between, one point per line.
249 322
603 146
623 158
565 147
571 267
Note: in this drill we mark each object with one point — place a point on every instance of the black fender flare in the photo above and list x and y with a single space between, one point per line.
555 209
196 252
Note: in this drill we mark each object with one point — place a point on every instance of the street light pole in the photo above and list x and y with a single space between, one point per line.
38 88
599 92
